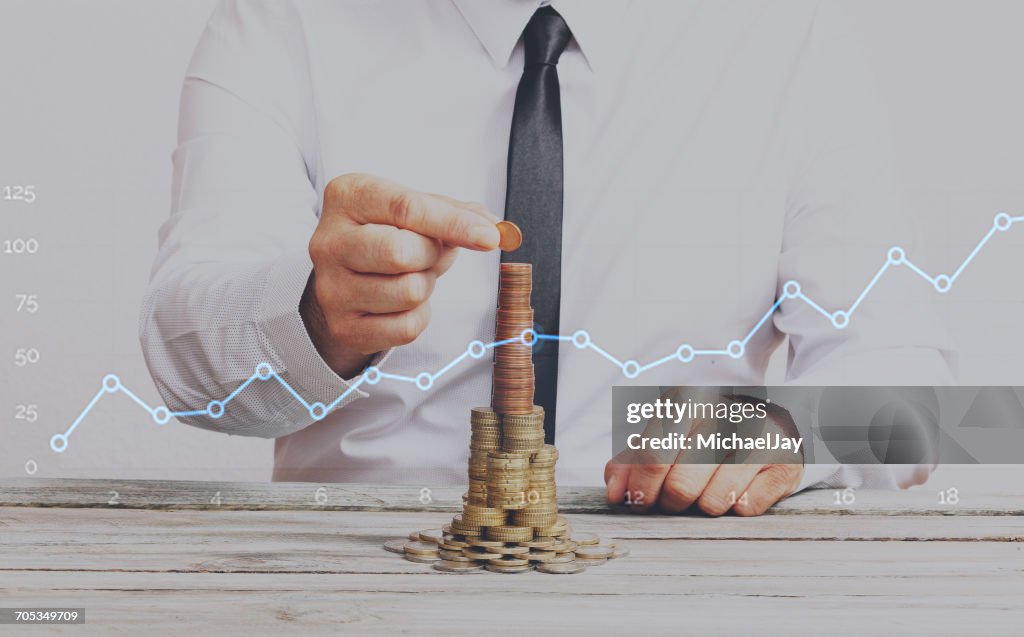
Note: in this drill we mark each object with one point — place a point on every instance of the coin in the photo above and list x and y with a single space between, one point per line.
396 546
511 236
495 568
454 556
558 568
422 559
620 551
585 538
562 558
457 567
431 535
421 548
591 552
510 549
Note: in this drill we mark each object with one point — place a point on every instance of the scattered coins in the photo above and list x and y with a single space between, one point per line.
510 236
509 521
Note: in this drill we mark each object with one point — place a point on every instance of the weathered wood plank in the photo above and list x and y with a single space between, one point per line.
346 542
995 499
140 607
103 526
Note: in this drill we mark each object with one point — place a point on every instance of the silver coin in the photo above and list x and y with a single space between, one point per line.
564 568
508 569
457 567
396 546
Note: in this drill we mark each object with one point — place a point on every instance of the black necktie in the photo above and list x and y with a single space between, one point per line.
534 196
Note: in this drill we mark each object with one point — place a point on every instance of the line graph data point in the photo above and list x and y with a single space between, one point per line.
897 256
791 290
529 337
477 349
1002 222
59 443
424 381
372 375
631 369
581 339
736 349
111 383
943 284
161 415
685 353
840 319
318 411
264 371
215 409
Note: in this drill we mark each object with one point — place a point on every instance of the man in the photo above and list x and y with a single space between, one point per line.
700 155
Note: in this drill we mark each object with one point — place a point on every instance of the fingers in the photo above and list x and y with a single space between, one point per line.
684 484
727 487
616 478
377 332
371 200
387 293
380 249
644 484
771 484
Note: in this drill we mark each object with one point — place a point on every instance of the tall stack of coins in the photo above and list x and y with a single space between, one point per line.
513 360
509 521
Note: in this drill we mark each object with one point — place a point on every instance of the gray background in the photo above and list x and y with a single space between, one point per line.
88 115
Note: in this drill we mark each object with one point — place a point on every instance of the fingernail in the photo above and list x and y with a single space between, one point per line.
484 236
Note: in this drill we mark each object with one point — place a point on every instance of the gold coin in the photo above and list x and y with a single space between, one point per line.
421 548
508 550
422 559
431 535
510 561
511 237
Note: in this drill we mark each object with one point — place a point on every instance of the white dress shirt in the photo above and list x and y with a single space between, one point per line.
713 152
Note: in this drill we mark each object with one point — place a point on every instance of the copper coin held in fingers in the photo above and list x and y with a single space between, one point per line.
511 237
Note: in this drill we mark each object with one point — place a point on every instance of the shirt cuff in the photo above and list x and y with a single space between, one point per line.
298 360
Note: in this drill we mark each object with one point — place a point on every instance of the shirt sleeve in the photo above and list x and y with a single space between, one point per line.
857 319
233 257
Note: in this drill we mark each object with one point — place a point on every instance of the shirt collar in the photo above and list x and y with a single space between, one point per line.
499 24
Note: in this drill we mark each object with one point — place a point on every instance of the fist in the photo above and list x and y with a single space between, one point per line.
667 481
377 252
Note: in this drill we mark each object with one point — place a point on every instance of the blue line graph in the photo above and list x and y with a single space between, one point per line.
840 319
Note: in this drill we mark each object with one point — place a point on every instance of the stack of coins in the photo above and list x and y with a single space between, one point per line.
541 510
512 391
485 437
509 521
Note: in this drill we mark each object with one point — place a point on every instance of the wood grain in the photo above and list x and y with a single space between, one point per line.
271 560
293 496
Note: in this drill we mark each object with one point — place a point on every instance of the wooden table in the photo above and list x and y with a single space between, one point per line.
190 558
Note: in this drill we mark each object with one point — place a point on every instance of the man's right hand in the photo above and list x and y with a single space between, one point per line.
377 252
